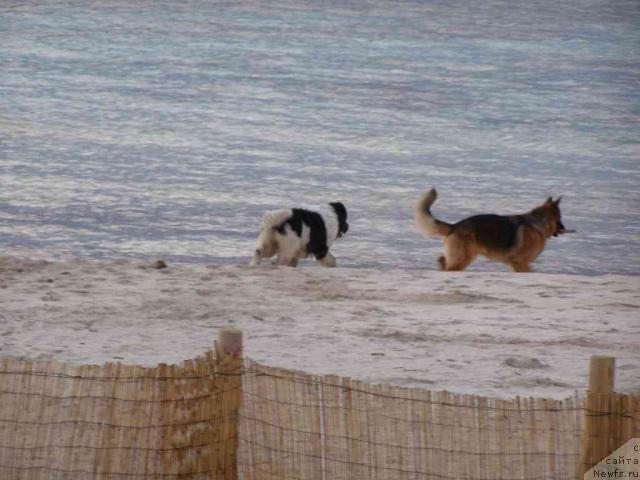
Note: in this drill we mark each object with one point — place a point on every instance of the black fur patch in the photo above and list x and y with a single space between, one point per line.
495 231
341 213
317 245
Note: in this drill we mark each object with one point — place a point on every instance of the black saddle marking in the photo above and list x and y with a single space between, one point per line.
495 231
317 245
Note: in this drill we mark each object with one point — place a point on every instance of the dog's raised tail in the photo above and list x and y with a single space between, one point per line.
274 218
426 222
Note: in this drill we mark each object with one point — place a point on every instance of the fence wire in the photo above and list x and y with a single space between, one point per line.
182 421
299 426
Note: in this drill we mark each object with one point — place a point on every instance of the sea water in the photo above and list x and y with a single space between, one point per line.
165 129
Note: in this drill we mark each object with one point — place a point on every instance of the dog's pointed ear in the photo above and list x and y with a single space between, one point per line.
549 201
557 202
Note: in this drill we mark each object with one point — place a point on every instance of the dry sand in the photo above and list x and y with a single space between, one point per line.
498 334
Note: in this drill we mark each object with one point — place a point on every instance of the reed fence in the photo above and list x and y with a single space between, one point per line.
224 417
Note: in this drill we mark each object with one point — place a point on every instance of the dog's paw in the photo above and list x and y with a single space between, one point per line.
329 261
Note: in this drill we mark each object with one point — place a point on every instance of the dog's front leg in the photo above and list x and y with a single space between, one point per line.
328 260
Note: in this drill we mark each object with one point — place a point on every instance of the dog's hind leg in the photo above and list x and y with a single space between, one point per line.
520 267
288 254
456 265
257 258
283 260
266 246
458 255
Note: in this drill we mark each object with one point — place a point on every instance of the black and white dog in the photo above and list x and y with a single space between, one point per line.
295 233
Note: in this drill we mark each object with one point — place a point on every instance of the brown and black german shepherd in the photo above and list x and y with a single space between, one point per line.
516 240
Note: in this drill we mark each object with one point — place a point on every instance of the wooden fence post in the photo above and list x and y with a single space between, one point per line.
228 398
601 374
600 435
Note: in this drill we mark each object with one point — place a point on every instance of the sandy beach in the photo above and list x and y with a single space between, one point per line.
496 334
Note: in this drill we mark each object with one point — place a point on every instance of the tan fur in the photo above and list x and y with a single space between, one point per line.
515 240
424 220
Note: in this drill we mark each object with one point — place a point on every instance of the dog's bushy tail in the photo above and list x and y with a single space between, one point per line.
274 218
426 222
